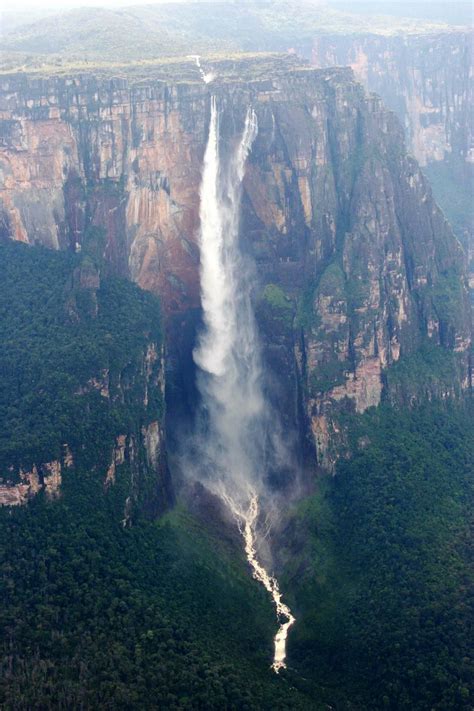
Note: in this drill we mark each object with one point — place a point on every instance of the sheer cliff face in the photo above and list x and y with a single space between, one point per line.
426 80
81 154
340 221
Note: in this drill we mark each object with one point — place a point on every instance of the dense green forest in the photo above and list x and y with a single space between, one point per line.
62 325
383 589
158 615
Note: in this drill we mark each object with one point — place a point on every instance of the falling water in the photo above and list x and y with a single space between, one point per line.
228 355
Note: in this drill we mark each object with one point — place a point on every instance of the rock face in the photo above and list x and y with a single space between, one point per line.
426 80
356 265
46 476
81 154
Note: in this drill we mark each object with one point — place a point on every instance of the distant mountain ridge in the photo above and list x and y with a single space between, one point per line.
147 31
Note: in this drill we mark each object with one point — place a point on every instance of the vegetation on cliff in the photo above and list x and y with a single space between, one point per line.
453 187
275 306
73 345
96 614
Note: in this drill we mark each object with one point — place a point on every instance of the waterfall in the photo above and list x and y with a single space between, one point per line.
207 77
228 355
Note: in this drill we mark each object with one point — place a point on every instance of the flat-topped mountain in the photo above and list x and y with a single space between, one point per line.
337 216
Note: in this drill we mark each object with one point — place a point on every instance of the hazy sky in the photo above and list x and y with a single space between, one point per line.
18 5
454 12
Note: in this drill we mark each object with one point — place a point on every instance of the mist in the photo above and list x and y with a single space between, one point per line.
233 415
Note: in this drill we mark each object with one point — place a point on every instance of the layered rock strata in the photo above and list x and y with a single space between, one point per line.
336 215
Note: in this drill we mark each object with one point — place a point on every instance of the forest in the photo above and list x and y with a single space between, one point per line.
164 614
160 614
384 588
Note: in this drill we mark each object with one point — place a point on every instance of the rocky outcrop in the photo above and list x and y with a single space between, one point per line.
152 438
17 487
141 454
118 458
337 217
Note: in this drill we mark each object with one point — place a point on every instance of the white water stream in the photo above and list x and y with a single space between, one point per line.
206 77
228 355
247 525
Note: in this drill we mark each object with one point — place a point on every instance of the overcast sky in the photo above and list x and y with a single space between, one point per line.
54 5
18 5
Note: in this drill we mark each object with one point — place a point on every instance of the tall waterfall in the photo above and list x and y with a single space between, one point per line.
228 354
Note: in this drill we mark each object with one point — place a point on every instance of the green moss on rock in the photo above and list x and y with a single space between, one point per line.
278 304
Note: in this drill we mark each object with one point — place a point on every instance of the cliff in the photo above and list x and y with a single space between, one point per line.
427 80
356 263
